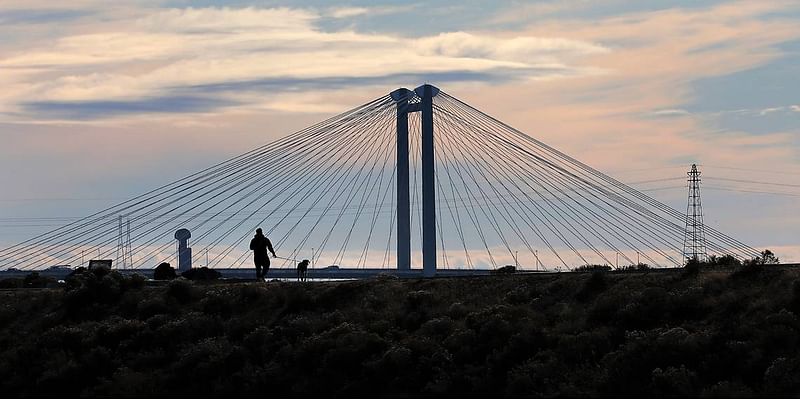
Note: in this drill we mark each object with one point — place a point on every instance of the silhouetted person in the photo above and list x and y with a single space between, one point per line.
302 270
260 244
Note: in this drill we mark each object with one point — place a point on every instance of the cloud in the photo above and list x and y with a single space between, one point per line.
82 110
670 112
525 12
795 108
347 12
756 112
249 54
519 49
231 20
40 16
766 111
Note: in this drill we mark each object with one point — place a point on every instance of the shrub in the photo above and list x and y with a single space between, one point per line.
164 272
674 381
727 389
437 327
135 281
692 267
508 269
151 307
34 280
795 302
635 267
419 299
100 271
766 257
94 287
727 261
77 271
783 377
594 285
593 268
518 295
748 270
201 274
11 283
180 290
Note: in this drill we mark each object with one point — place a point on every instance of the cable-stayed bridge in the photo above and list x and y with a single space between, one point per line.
413 181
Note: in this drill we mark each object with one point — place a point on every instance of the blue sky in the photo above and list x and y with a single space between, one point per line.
103 102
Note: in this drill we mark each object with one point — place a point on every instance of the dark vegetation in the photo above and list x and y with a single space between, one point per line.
31 281
164 272
710 333
201 274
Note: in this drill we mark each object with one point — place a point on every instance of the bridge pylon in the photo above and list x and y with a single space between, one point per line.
403 97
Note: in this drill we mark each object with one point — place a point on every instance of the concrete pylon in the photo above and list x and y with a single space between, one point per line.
402 97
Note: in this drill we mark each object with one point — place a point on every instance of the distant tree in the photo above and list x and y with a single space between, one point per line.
164 272
593 268
635 267
768 257
765 257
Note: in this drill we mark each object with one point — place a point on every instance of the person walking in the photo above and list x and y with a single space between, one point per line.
260 244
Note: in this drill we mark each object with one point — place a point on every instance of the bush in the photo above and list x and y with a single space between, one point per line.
593 268
766 257
594 285
94 286
12 283
100 271
635 267
726 261
674 381
135 281
164 272
34 280
783 377
508 269
748 270
692 267
795 301
570 335
201 274
181 290
76 271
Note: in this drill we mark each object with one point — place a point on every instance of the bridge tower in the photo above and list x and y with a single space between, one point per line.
694 240
403 98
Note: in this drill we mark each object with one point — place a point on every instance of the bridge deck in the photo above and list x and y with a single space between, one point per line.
283 273
350 273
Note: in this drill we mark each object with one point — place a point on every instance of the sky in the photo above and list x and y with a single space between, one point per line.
101 102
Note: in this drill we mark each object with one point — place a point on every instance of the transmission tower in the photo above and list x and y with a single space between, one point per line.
124 251
694 240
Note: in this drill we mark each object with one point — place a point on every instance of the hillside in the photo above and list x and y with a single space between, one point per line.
717 333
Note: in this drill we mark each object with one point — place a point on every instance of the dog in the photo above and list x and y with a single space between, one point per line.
302 270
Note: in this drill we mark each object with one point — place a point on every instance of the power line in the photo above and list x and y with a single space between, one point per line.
756 182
